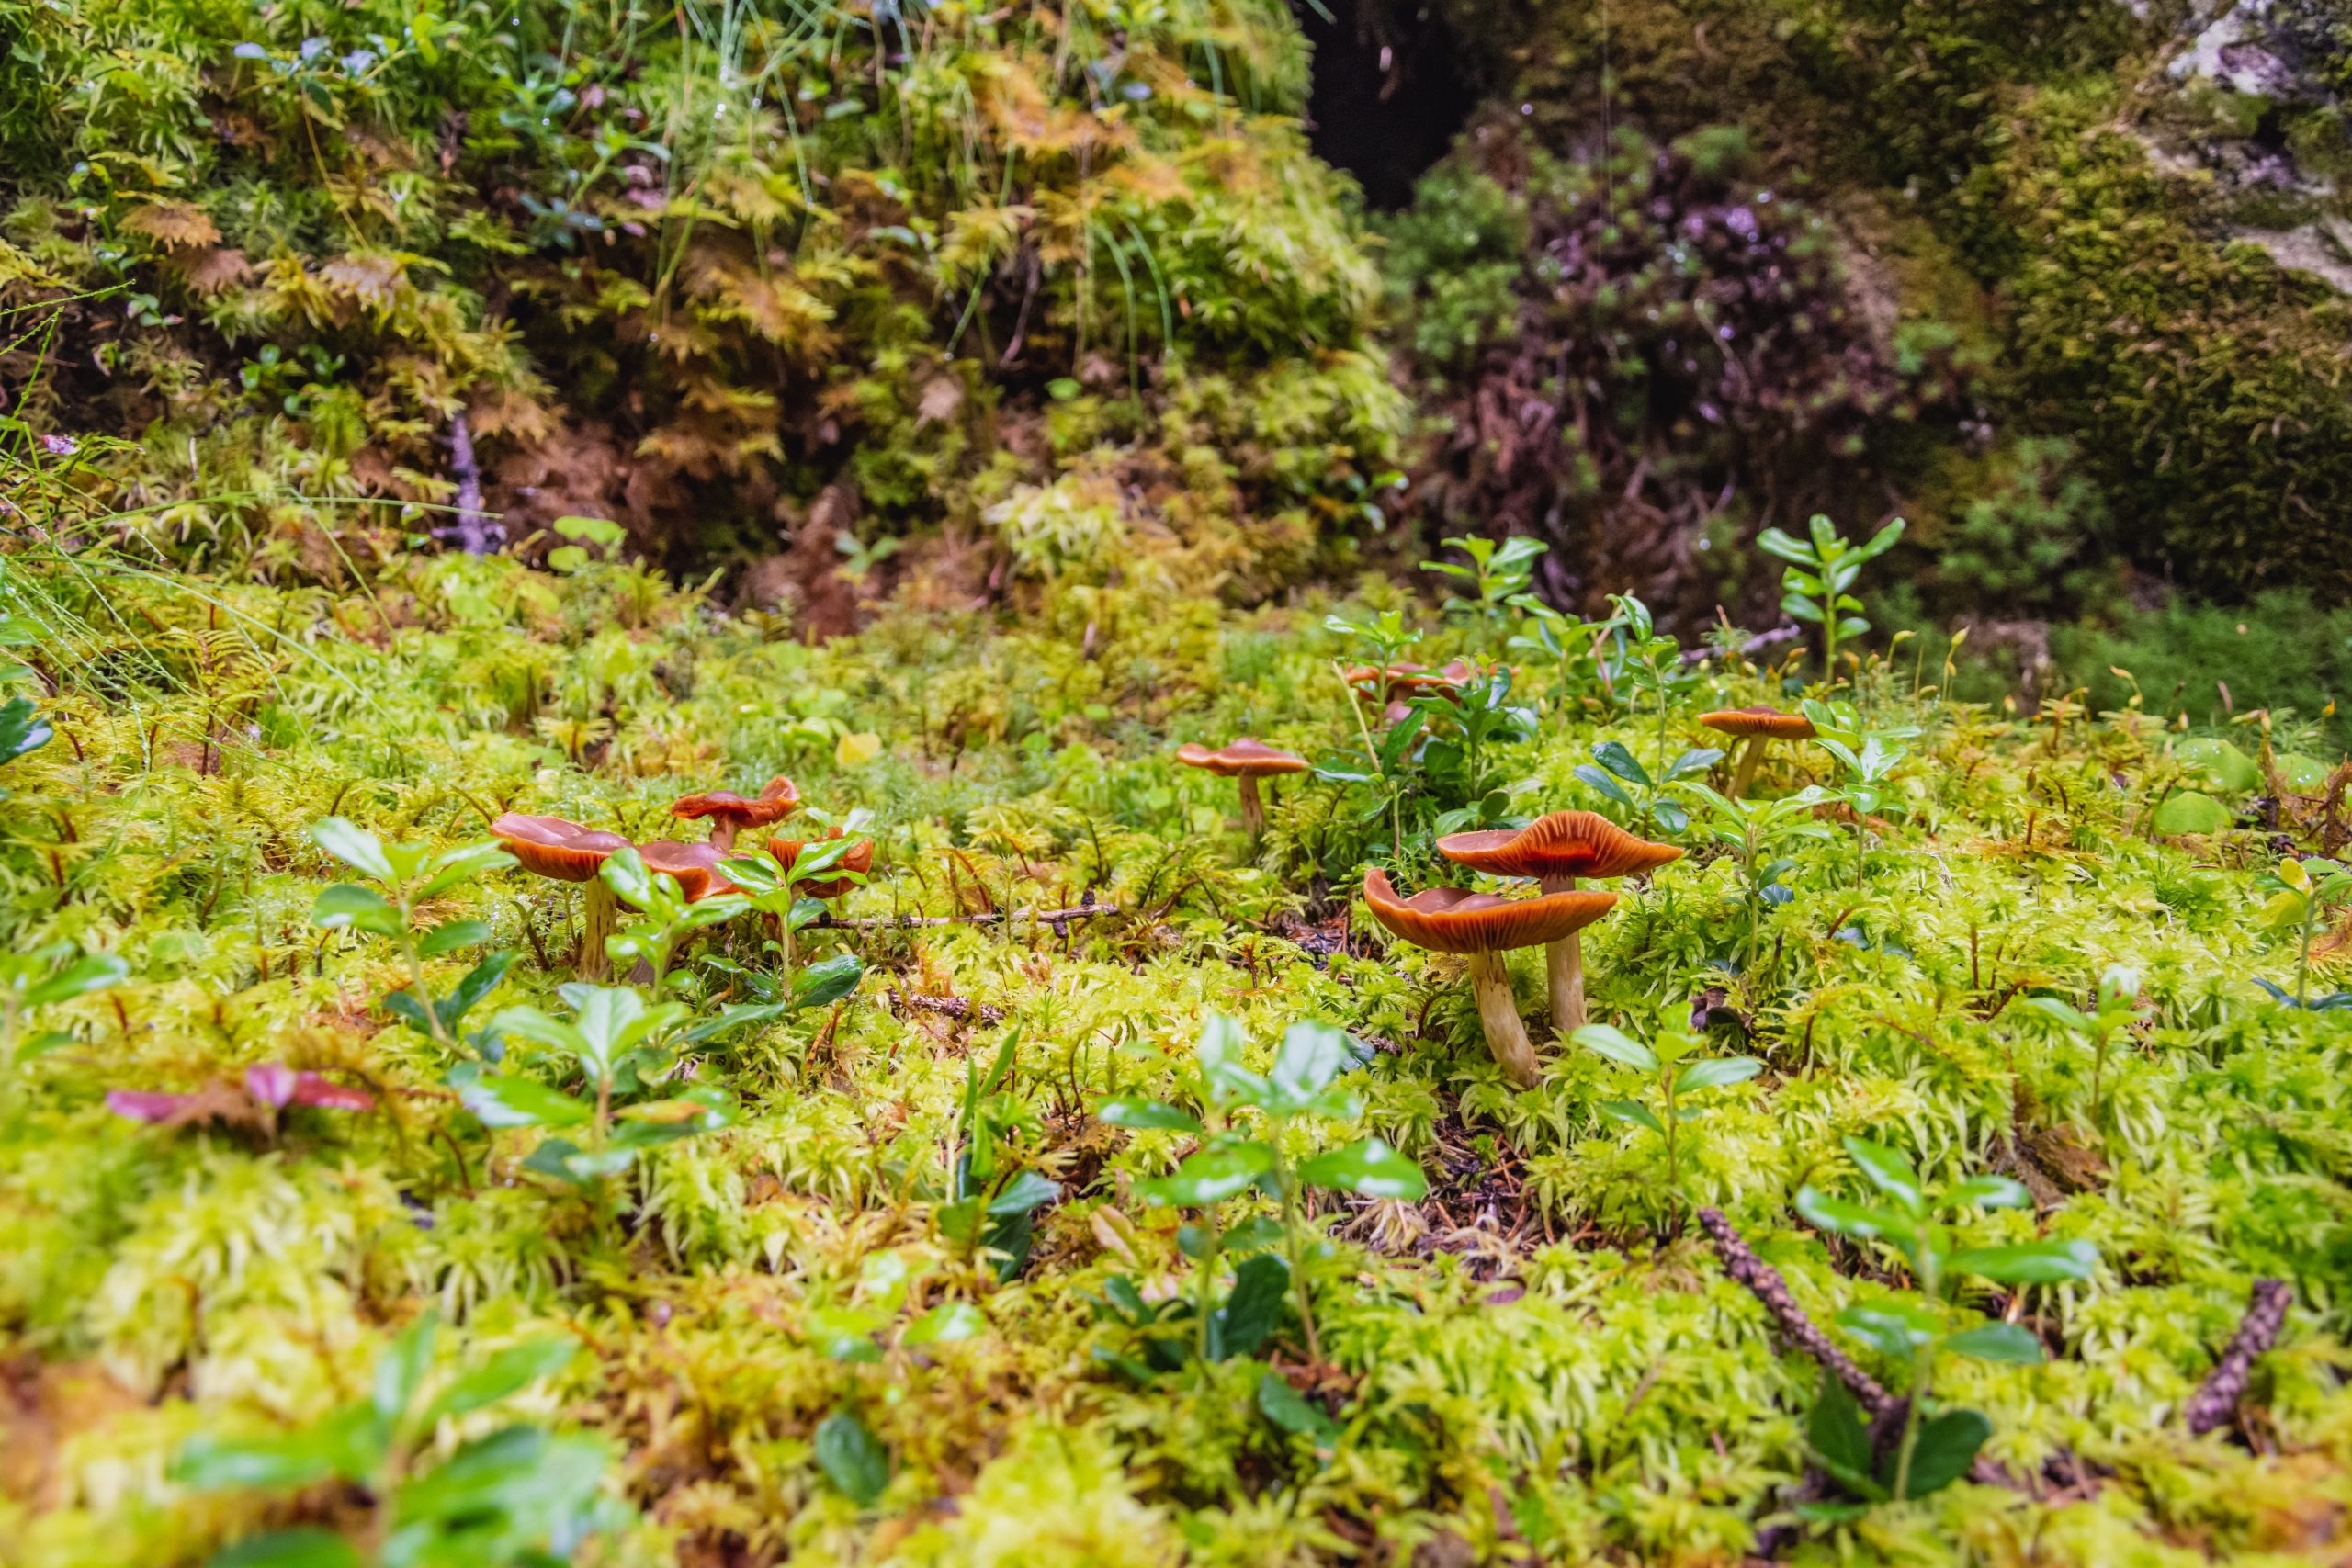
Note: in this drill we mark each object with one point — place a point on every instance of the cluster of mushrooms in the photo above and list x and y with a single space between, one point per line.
1555 852
563 850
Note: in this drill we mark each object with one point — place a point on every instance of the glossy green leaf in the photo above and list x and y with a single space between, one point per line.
1368 1168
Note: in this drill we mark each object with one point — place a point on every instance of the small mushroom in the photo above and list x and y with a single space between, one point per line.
1484 926
1556 850
859 860
563 850
731 813
1758 726
1248 761
1397 681
694 865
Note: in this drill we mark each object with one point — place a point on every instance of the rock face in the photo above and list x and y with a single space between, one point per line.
2115 236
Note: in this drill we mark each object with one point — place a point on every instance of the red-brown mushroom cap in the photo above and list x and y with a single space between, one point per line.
1565 843
859 860
1241 759
1410 680
555 847
694 865
1455 920
1761 719
779 800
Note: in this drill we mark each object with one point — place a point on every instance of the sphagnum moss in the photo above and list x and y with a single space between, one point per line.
789 1344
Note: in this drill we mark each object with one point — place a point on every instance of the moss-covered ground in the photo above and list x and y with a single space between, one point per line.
793 1333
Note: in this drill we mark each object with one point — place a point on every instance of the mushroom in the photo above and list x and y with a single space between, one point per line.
859 860
1484 926
729 812
1758 726
563 850
1396 681
1248 761
696 866
1556 850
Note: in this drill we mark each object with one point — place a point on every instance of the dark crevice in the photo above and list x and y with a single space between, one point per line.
1391 91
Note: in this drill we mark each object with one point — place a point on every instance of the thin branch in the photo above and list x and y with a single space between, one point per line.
2217 1398
1764 1281
962 1009
896 922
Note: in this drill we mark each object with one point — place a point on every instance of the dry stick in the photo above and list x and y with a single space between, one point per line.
2218 1396
962 1009
895 922
1742 1264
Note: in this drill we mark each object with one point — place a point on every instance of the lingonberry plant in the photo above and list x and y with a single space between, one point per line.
1915 1220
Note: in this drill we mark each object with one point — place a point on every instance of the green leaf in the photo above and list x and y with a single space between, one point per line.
1221 1045
509 1372
1987 1192
2011 1342
1312 1054
500 1474
945 1324
1608 786
211 1464
1145 1116
1210 1175
1894 1330
2190 811
1634 1112
1254 1308
853 1459
1837 1431
1890 1173
1288 1409
1946 1448
1617 1045
451 935
1612 755
1368 1168
827 981
401 1369
2029 1263
361 909
306 1547
21 730
94 972
464 863
503 1102
1025 1192
1844 1217
1715 1073
355 846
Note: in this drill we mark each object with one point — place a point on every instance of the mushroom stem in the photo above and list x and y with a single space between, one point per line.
1253 807
1498 1013
722 835
1744 774
1564 965
602 919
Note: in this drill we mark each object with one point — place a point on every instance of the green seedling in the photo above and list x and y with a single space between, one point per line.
2308 889
2118 1009
780 891
1751 828
53 973
992 1195
623 1047
1675 1074
1938 1445
1868 761
665 916
406 877
1647 660
521 1494
1619 776
1816 587
1499 570
1229 1162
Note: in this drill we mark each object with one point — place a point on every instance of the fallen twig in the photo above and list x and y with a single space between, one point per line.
895 922
2218 1396
962 1009
1764 1281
